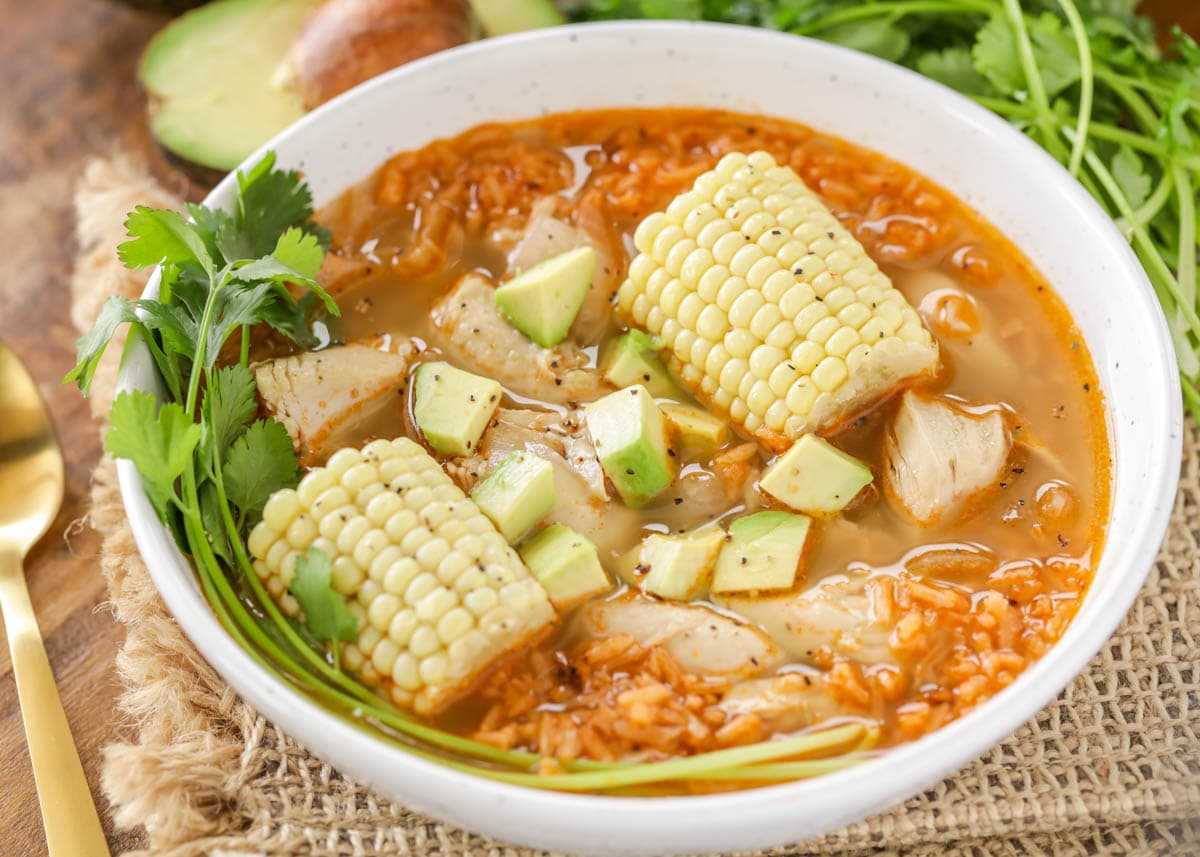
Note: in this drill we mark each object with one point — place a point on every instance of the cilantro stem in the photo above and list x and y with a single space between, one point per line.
1156 267
1044 116
1098 130
1187 235
785 770
1136 104
701 766
244 356
1087 84
1191 397
216 283
905 7
1152 206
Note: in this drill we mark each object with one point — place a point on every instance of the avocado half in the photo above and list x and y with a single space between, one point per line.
217 80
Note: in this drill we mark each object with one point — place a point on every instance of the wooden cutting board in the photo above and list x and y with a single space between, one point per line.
67 90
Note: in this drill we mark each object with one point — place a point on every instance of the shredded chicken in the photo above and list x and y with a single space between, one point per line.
938 458
469 329
784 703
702 640
837 615
334 398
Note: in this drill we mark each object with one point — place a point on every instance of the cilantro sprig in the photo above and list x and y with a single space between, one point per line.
1086 79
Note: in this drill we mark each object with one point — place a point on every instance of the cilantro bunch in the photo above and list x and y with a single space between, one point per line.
207 464
1086 79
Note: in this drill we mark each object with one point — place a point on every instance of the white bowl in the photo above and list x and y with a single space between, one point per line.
986 163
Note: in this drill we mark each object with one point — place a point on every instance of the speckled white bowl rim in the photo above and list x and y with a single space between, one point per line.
977 156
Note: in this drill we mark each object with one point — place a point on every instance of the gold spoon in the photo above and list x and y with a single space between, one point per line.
31 491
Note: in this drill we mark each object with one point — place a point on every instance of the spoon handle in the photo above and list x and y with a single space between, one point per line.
68 812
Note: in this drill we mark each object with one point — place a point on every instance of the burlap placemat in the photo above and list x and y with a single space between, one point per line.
1112 766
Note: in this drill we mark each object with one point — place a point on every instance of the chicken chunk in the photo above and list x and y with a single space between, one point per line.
547 235
836 614
938 457
702 640
785 703
334 398
469 329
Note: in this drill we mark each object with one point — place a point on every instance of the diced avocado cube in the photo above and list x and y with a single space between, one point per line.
679 567
542 302
566 564
632 358
452 407
501 17
630 437
762 553
699 432
815 477
517 494
628 566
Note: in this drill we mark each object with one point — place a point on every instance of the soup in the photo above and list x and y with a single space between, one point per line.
783 436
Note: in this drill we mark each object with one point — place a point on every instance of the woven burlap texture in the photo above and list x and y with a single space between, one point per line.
1111 766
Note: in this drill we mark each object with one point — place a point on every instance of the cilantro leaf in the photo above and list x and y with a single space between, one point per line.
291 318
157 236
954 68
229 405
300 251
270 201
236 305
116 311
325 611
879 36
258 464
996 58
159 442
173 323
1127 169
212 225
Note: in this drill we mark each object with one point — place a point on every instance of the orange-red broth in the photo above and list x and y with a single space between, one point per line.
974 600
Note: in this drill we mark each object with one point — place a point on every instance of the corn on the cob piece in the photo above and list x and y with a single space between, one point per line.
771 311
438 593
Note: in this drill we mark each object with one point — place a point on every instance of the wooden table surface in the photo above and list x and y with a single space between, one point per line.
66 91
